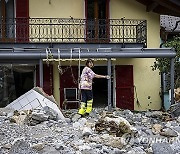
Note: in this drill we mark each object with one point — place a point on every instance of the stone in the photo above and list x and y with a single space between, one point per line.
162 148
168 132
21 147
59 146
77 125
39 116
82 121
156 129
176 146
178 119
52 114
136 150
7 146
76 117
38 146
84 147
86 131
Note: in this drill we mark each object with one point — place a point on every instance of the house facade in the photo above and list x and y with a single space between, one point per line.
78 27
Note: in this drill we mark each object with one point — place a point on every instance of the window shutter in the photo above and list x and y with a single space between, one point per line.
22 8
22 21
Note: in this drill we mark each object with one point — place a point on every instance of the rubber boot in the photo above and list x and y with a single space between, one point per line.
89 106
82 109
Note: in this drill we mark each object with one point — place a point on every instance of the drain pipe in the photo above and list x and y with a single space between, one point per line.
41 72
172 80
109 84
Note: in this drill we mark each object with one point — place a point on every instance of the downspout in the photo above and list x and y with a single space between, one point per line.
109 85
41 72
172 80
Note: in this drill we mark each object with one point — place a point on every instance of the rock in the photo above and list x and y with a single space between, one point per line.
7 146
177 129
162 148
68 120
154 114
76 117
38 146
178 119
168 132
128 112
118 151
84 147
86 131
39 116
156 129
168 124
52 114
77 125
176 146
136 150
59 146
115 142
6 112
21 147
82 121
118 126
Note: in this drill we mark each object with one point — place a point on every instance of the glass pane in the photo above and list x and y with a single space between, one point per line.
90 10
10 19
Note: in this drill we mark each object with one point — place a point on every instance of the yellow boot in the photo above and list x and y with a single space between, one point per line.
82 109
89 106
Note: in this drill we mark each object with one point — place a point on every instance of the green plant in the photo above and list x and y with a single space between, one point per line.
163 64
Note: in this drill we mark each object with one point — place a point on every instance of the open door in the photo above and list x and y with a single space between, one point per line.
124 87
97 20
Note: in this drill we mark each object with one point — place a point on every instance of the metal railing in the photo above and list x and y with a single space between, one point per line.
73 30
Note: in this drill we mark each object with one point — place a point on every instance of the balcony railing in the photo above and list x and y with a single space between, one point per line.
58 30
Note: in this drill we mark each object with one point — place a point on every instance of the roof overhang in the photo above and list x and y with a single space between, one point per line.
164 7
8 55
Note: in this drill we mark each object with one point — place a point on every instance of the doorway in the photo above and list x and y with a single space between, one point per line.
100 88
7 27
24 81
97 15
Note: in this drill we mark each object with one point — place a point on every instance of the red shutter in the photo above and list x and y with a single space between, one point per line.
22 20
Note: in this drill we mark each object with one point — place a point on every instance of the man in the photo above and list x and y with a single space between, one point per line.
86 87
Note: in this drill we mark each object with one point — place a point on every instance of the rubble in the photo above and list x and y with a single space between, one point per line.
39 131
36 98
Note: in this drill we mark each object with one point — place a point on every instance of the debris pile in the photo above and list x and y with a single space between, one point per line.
44 130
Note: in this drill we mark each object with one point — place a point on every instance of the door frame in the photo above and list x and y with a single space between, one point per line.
94 40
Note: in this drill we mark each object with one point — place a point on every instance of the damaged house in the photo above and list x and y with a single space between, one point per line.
46 42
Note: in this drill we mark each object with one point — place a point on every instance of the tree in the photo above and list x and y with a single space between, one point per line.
163 64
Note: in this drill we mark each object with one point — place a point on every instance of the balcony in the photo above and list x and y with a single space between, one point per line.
60 30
